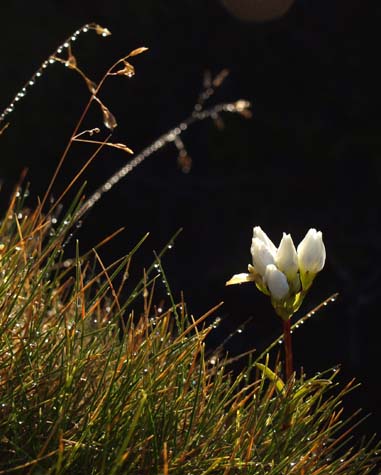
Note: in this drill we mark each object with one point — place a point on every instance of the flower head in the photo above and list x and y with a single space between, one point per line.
284 273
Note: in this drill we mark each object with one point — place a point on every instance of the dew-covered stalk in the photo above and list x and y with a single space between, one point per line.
288 356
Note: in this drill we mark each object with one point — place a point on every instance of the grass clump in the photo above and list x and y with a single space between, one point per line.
87 386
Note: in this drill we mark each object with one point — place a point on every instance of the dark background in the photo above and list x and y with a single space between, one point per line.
309 157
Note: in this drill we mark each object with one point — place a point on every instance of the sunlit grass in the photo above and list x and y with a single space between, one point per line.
88 386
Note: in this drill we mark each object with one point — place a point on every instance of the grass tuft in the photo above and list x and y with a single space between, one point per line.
88 386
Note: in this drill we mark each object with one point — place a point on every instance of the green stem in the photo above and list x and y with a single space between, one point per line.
288 348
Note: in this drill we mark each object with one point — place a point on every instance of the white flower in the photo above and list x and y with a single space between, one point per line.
311 253
276 282
286 258
262 255
286 273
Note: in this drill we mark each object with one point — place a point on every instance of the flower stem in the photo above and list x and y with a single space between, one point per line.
288 348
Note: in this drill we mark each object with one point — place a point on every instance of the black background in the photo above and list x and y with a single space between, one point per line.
309 157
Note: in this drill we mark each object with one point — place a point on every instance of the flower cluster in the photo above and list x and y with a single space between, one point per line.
284 273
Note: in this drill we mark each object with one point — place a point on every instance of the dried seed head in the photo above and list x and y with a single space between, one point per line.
137 51
108 118
102 31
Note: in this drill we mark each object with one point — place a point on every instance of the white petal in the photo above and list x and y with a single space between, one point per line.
311 252
286 258
260 234
276 282
262 256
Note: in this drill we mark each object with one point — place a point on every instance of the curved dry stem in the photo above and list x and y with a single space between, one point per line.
240 107
65 45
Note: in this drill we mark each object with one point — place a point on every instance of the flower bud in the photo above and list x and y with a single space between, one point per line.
286 258
262 256
276 282
311 252
260 234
